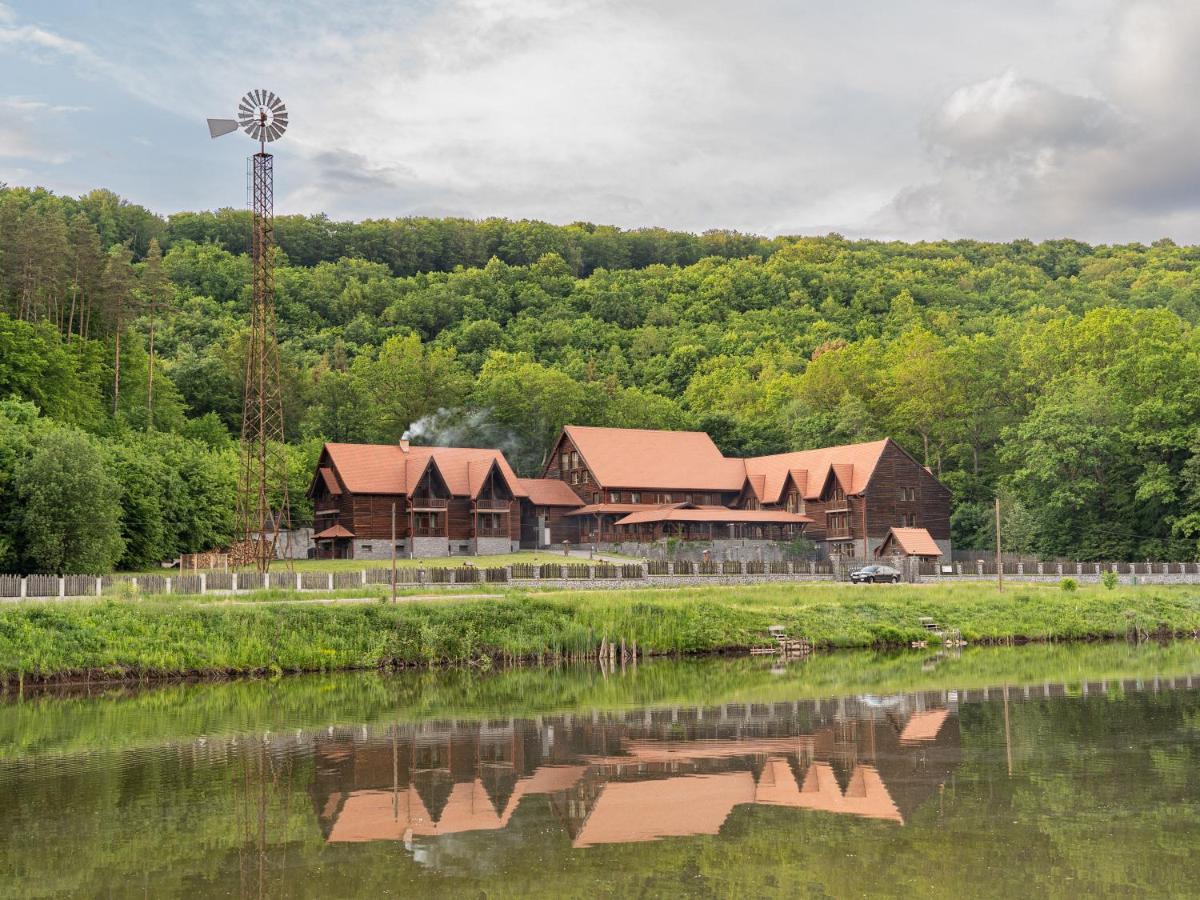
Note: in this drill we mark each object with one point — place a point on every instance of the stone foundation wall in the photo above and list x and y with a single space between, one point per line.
492 546
430 546
378 549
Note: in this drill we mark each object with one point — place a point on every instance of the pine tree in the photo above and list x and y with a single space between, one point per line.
118 287
87 274
154 291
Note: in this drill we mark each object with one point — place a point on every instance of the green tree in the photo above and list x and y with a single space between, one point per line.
407 381
70 505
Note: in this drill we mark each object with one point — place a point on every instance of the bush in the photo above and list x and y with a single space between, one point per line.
1109 579
1068 584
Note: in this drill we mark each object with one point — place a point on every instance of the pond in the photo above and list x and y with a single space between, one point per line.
1060 770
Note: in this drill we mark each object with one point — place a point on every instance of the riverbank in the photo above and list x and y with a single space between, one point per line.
142 639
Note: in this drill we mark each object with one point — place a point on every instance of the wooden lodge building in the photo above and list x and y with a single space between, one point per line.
443 499
627 487
639 486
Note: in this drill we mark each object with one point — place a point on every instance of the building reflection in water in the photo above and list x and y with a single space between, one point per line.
638 776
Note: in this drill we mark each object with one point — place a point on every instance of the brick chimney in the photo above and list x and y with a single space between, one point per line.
404 445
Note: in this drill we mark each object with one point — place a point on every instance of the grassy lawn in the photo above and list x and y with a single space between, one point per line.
532 557
154 637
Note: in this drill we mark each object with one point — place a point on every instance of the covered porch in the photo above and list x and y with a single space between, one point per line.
689 523
335 542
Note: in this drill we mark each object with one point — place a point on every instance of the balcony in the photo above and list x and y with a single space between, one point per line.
834 534
483 504
427 503
483 531
427 531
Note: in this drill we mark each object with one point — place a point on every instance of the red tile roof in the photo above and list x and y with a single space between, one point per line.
550 492
602 508
331 484
924 726
852 463
334 531
715 514
912 542
369 468
388 469
656 460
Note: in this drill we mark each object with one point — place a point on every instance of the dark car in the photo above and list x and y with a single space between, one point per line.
876 574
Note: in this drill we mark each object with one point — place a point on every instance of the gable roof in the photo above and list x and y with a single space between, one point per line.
549 492
388 469
852 465
334 531
912 541
655 460
329 481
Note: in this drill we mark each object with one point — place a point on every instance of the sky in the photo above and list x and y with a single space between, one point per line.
921 119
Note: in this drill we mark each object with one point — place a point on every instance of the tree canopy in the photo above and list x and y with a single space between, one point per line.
1062 377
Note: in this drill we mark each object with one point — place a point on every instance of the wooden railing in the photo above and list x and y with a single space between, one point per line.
490 504
422 503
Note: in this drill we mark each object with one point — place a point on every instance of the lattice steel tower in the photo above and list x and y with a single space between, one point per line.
263 510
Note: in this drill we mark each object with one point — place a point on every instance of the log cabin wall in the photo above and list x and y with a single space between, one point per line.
562 527
903 493
462 518
566 464
372 516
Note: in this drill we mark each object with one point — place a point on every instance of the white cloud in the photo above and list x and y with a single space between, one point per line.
915 120
23 125
34 38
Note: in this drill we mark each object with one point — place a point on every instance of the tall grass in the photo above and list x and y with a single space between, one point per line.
149 638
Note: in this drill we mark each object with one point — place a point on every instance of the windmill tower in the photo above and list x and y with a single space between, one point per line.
263 511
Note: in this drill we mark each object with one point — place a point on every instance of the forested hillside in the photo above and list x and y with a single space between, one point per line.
1062 376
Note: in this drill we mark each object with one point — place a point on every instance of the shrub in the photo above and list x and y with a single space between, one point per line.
1068 584
1109 579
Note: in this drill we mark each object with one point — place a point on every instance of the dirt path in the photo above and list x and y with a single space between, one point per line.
335 601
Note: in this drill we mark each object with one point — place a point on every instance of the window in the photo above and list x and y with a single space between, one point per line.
614 496
635 497
837 522
365 548
574 459
908 494
563 462
595 497
908 520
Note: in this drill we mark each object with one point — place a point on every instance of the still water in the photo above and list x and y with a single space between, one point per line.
1062 771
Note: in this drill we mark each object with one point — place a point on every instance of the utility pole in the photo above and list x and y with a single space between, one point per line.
393 551
999 560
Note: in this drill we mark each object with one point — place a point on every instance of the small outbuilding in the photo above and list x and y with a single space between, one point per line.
910 542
